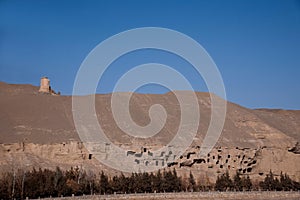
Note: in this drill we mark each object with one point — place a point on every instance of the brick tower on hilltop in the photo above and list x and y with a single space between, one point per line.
46 88
45 85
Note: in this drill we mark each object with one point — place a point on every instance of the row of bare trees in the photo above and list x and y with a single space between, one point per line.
45 183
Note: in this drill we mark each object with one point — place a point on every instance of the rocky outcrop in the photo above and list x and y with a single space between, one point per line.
295 149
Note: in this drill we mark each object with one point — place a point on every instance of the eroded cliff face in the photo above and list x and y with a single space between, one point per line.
26 156
253 162
38 131
248 161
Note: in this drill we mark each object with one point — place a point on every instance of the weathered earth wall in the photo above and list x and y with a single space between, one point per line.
253 162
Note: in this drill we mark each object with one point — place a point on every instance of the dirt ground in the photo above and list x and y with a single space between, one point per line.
196 195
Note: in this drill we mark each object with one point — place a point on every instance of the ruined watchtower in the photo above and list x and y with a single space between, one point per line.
45 85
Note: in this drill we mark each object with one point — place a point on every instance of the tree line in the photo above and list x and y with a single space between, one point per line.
270 183
43 183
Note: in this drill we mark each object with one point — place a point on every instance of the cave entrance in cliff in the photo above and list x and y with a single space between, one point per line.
90 156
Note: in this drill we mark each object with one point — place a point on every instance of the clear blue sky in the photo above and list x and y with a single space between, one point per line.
255 44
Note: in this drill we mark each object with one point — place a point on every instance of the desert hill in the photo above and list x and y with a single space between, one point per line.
29 115
40 129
